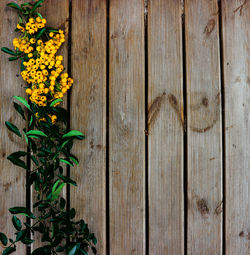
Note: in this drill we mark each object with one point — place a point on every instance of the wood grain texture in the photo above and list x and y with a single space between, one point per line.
165 128
88 114
204 131
127 124
236 38
56 13
12 178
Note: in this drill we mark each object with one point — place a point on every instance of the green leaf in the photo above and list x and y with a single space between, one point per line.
62 203
94 240
36 132
25 137
27 241
15 6
55 102
16 223
23 101
8 51
16 161
36 5
21 235
13 58
19 109
22 211
13 128
3 239
94 250
26 4
67 180
65 161
45 250
73 249
34 159
72 213
40 33
56 191
9 250
74 133
74 159
31 120
39 15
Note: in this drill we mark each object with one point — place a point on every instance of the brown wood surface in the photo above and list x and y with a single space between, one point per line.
12 179
165 128
204 131
56 13
236 38
88 114
126 128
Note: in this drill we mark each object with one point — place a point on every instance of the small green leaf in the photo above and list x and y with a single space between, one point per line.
15 6
36 132
39 15
56 190
36 5
19 109
67 180
9 250
16 161
8 51
40 33
13 128
73 249
74 133
74 159
3 239
21 235
94 250
55 102
16 223
45 250
65 161
72 213
62 203
25 137
23 101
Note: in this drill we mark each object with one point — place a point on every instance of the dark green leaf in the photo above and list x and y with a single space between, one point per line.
17 223
62 203
66 162
23 101
34 159
67 180
13 128
55 102
15 6
3 239
27 241
17 162
9 250
72 213
21 235
94 250
40 33
19 109
36 5
8 51
22 211
45 250
13 58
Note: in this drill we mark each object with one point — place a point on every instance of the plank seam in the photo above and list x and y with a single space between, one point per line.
146 129
107 130
223 130
185 135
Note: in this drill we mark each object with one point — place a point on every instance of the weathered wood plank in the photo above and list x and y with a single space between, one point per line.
204 131
165 134
127 124
12 179
236 38
88 114
56 13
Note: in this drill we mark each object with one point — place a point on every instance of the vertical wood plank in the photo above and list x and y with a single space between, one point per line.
88 114
12 178
236 38
127 124
165 124
204 128
56 13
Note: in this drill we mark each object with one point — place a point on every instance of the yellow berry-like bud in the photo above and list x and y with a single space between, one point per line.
30 55
29 91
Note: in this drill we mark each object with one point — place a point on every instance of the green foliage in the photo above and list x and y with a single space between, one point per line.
49 149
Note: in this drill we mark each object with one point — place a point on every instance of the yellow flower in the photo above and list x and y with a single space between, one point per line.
28 91
32 40
30 55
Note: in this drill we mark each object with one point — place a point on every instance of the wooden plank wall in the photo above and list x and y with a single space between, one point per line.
162 93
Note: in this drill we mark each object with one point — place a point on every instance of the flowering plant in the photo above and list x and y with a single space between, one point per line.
48 140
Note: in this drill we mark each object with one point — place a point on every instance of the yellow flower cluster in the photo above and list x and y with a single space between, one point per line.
23 45
42 68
